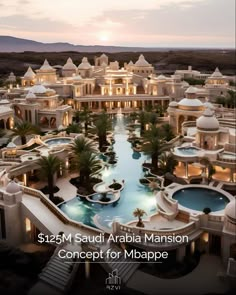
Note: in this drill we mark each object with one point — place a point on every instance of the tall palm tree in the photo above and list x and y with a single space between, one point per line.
83 144
87 163
143 120
48 167
85 117
103 124
23 128
167 132
154 144
139 213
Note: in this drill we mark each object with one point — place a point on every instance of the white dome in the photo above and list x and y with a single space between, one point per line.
70 66
208 121
13 187
77 78
38 89
191 90
29 74
190 102
173 104
30 95
130 63
141 62
46 66
161 77
217 74
85 65
230 209
11 145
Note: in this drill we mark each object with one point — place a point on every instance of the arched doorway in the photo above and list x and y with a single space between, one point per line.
180 122
2 124
44 122
53 122
10 123
18 112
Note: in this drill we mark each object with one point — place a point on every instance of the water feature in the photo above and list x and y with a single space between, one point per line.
134 195
187 151
200 198
58 141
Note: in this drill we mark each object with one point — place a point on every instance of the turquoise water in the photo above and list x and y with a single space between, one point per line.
200 198
188 151
56 141
134 195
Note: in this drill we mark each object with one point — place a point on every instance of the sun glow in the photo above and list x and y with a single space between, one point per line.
104 36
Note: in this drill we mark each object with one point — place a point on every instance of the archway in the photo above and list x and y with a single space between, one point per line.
180 122
44 122
18 112
53 122
10 123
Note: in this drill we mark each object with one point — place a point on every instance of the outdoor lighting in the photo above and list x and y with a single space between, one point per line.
27 225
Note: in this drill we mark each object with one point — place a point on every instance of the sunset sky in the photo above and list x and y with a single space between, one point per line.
149 23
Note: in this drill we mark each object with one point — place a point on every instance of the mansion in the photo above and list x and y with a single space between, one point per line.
48 96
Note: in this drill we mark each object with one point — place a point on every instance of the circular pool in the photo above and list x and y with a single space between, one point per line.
198 198
58 141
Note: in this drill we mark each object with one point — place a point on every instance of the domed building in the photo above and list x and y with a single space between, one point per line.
29 78
141 69
69 69
208 129
216 85
85 68
187 109
229 230
46 74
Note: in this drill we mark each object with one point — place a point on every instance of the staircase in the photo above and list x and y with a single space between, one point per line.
58 273
125 267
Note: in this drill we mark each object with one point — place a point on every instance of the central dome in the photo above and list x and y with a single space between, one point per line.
38 89
85 65
208 121
70 66
141 62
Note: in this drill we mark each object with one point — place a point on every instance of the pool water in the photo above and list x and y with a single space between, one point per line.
188 151
134 195
200 198
228 156
57 141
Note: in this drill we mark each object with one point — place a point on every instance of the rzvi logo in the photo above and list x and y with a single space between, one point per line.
113 282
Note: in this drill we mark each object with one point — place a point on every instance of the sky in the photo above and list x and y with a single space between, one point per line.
147 23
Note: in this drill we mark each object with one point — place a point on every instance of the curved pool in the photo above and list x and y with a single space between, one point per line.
134 195
187 151
58 141
198 198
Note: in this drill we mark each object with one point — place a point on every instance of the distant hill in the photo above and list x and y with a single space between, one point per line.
13 44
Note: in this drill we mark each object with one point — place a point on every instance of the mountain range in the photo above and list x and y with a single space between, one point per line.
13 44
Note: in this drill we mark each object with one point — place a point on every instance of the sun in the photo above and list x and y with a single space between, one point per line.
104 36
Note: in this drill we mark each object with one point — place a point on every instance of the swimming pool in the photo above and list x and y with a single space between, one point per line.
228 156
199 198
134 195
187 151
58 141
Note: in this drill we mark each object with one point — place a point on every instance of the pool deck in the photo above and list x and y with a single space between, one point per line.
203 279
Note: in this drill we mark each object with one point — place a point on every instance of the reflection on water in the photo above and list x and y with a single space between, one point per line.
129 169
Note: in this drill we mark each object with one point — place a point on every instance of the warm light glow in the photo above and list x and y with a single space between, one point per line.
27 225
104 36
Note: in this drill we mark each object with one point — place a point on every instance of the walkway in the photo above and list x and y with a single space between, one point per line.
202 280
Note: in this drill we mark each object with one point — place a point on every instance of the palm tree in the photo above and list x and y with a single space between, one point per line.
48 167
23 128
83 144
154 144
73 128
85 116
87 163
167 132
167 163
103 124
139 213
209 168
231 99
143 119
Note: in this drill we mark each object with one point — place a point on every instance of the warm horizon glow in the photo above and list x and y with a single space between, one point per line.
153 23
